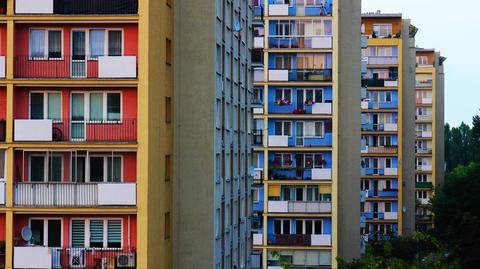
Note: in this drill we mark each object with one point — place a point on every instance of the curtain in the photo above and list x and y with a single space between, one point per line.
54 44
114 43
96 106
78 233
37 43
78 46
97 43
54 106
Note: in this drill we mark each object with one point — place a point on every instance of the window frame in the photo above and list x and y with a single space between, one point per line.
88 56
45 167
45 104
46 45
45 228
105 231
86 109
105 167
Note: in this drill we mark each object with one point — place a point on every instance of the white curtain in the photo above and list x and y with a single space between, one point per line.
37 43
97 43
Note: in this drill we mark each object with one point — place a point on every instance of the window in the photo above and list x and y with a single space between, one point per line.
45 105
168 109
45 43
422 60
283 159
99 233
167 225
168 52
43 169
105 43
284 95
388 97
46 232
256 195
309 227
313 96
283 128
282 226
168 168
382 30
105 169
101 106
283 62
283 29
314 129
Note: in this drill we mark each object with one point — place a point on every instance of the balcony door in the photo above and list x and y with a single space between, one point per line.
46 232
300 98
78 120
299 134
79 55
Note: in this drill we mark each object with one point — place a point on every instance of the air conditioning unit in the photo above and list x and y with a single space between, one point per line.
126 261
77 258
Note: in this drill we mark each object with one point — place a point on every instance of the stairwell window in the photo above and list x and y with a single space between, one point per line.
45 44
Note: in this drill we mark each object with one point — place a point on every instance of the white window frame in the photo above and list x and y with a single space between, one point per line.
281 29
87 40
283 90
422 60
304 225
105 231
282 222
283 127
45 229
387 27
322 129
86 106
45 166
45 103
282 158
46 47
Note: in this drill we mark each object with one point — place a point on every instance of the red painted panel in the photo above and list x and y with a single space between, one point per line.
2 227
3 103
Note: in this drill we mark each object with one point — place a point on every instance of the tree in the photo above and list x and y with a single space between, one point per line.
475 138
457 214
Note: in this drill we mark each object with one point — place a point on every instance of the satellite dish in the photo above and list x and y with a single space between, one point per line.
26 233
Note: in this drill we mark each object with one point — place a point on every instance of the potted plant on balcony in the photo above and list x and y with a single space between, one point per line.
309 102
299 111
283 102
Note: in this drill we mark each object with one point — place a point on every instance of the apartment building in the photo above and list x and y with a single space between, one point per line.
85 91
213 85
429 132
306 83
387 121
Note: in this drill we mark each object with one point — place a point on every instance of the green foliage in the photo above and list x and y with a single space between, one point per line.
457 214
284 263
462 144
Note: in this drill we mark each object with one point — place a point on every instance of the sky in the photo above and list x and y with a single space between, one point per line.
453 28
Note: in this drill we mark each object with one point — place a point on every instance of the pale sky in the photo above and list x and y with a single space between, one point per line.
453 28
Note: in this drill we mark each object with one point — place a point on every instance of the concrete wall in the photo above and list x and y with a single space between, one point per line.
440 122
193 217
348 122
408 128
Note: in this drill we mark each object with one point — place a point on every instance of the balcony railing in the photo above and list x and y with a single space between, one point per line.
87 258
423 117
77 7
322 75
300 42
424 151
424 83
383 60
390 82
288 107
68 130
423 185
60 194
76 67
299 239
3 130
382 150
309 207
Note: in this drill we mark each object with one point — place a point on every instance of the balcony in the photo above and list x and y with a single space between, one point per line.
258 42
278 9
390 216
77 7
299 42
28 194
300 173
424 83
299 239
78 131
283 75
423 185
380 82
299 207
423 117
381 150
424 151
424 101
380 215
258 239
258 75
382 60
381 127
379 171
47 257
278 141
423 134
424 168
288 107
76 67
2 193
258 174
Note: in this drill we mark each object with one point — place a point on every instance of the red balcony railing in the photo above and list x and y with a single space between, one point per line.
124 130
65 67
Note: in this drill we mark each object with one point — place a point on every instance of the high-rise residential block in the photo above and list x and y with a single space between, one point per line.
306 118
387 147
429 132
86 90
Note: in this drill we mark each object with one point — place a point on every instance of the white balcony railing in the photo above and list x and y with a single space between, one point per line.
391 171
321 240
391 83
75 194
33 130
32 257
278 141
424 117
321 174
322 108
2 66
257 239
258 75
34 6
258 110
2 192
278 9
390 127
425 167
117 67
383 60
299 207
322 42
258 42
390 215
364 105
427 101
278 75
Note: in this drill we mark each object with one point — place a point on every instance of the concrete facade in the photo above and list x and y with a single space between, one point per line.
213 88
